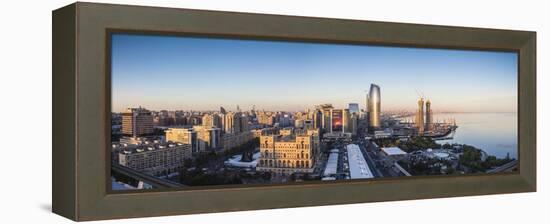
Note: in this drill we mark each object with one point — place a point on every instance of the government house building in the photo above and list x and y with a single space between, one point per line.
287 153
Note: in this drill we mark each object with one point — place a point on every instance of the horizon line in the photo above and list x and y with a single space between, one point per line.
303 110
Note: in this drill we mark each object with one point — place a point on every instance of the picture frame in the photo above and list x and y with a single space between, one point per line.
81 110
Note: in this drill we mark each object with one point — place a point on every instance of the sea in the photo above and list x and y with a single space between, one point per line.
495 133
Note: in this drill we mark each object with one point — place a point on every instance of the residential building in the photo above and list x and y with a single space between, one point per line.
232 140
212 120
137 122
185 136
209 137
155 159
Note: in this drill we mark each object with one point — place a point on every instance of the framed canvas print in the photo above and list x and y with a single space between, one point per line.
160 111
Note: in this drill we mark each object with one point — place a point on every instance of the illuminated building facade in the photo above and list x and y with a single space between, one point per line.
155 159
419 119
265 118
287 154
185 136
137 122
212 120
232 140
429 116
374 106
209 137
337 120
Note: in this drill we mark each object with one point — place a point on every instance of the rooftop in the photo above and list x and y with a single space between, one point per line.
332 163
358 167
393 151
130 149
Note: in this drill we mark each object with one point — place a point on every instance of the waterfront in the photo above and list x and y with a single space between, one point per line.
495 133
221 112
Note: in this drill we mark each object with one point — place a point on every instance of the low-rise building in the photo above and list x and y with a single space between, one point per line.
394 152
358 167
287 154
155 159
383 134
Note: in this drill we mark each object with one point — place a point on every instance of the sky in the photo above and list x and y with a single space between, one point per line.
197 73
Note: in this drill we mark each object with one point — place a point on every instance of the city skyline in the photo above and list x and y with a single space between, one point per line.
182 73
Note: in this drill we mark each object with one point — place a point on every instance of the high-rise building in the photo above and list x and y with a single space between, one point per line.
209 137
334 122
353 123
137 122
185 136
326 116
350 121
243 126
284 120
232 140
337 120
316 140
317 119
265 118
366 115
419 121
213 120
374 107
429 115
308 124
232 122
353 108
194 120
346 121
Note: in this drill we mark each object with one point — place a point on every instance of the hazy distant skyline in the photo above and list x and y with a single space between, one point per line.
182 73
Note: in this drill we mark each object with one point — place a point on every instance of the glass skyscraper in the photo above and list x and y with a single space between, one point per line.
373 107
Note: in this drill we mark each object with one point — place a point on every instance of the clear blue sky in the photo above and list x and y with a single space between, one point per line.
166 72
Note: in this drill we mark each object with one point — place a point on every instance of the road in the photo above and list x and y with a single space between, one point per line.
151 180
370 161
506 167
380 164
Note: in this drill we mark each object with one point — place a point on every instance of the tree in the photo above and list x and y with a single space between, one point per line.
266 175
188 163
